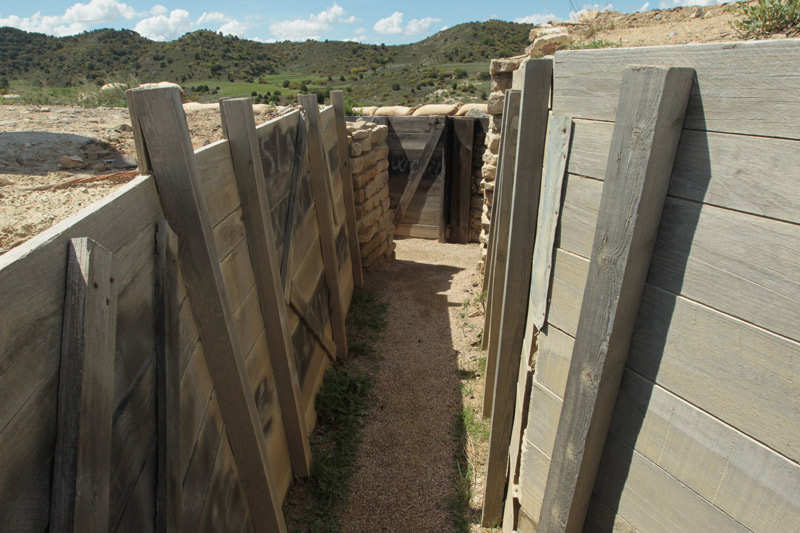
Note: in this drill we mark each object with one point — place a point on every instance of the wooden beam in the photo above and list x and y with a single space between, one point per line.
519 216
416 174
169 484
337 98
301 308
501 217
239 128
320 184
652 105
550 208
82 464
461 178
163 127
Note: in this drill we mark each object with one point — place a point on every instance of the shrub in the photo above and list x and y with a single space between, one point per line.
395 86
766 17
285 83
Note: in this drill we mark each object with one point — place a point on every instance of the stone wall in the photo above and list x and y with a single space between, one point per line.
369 163
502 71
476 198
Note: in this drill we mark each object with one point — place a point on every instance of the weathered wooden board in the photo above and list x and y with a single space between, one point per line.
578 219
568 284
559 134
719 169
586 84
698 353
217 182
745 479
652 106
461 183
626 482
553 358
723 258
534 464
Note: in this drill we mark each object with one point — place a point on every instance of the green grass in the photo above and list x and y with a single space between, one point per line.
767 17
601 43
342 406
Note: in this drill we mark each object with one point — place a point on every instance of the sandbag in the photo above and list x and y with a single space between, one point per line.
436 110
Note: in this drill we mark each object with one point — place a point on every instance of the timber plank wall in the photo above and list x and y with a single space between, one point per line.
144 449
704 433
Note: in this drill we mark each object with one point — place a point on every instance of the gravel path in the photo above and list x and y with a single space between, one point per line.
407 462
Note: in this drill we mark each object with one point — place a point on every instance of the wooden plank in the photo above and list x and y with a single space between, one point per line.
461 183
652 105
740 87
337 99
321 185
301 307
240 130
719 169
550 207
82 463
579 211
733 370
168 381
629 479
534 464
416 173
423 231
569 283
552 359
517 251
501 218
217 181
723 259
543 416
749 482
163 123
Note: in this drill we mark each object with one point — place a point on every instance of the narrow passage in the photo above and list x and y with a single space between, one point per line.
406 470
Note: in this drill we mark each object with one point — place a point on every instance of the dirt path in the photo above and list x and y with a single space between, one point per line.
406 470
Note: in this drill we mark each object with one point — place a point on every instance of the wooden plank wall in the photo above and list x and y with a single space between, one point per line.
706 428
32 281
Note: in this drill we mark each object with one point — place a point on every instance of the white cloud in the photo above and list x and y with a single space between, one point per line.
313 27
164 28
357 39
360 31
679 3
393 25
644 7
76 18
536 18
575 15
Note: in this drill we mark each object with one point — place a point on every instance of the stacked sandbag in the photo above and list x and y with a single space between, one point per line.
502 71
369 164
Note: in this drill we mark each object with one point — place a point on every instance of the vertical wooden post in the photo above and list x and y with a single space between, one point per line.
461 183
320 184
239 126
501 218
652 104
169 501
521 213
82 465
160 116
337 98
415 176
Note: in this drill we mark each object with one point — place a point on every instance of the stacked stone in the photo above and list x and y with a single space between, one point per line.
476 198
369 163
502 71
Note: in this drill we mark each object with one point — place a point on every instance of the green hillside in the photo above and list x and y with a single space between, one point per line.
449 65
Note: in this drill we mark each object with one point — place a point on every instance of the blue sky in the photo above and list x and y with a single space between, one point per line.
264 20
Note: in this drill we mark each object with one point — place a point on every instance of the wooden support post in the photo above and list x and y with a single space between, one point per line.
160 116
320 184
337 98
461 183
169 501
521 213
239 127
416 174
82 464
501 218
652 104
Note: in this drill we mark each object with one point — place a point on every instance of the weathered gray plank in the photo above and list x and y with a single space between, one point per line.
498 251
652 105
337 99
719 169
626 484
733 370
163 124
240 130
82 463
553 358
415 176
723 258
578 219
741 87
519 217
550 206
321 186
749 482
168 382
543 415
461 184
569 282
534 464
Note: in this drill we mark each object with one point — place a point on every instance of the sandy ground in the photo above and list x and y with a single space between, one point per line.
407 468
33 139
